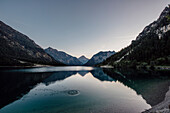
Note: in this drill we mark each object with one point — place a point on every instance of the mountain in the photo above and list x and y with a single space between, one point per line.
99 57
151 47
62 57
83 59
17 49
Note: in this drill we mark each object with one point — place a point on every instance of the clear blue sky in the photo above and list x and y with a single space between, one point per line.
81 27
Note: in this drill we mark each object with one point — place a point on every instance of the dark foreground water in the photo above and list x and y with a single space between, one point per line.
80 90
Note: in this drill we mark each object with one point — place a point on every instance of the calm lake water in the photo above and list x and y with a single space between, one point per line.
80 90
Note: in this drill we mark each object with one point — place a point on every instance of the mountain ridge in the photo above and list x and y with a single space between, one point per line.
62 56
17 49
99 57
151 46
83 59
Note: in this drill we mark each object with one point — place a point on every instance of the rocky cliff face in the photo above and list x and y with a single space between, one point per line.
158 27
18 49
151 47
63 57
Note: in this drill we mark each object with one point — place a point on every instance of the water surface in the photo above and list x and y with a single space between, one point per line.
80 90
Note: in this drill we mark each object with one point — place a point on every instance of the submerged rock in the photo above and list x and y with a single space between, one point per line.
73 92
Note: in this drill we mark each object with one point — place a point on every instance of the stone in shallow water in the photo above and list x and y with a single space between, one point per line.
73 92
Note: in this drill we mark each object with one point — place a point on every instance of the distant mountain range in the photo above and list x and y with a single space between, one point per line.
70 60
16 49
99 57
63 57
151 47
83 59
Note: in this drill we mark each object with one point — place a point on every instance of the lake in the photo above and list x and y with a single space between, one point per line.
76 89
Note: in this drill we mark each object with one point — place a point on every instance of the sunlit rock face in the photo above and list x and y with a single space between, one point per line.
158 27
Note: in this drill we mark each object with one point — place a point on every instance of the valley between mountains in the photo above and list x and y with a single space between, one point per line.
150 48
146 55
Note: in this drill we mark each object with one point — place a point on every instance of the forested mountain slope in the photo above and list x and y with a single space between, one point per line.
151 47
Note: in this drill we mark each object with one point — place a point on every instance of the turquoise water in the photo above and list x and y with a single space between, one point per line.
73 90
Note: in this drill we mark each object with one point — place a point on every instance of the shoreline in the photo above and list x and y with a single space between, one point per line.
23 67
149 67
163 107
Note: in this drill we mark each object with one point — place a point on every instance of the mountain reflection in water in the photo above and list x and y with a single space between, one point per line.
92 90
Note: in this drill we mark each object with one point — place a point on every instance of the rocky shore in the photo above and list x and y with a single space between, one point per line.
163 107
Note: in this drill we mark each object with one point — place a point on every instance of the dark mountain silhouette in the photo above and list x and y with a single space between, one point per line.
17 49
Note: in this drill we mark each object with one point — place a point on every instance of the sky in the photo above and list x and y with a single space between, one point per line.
81 27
